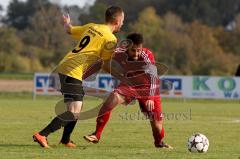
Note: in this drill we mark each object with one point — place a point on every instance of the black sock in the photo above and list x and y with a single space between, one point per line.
59 121
68 131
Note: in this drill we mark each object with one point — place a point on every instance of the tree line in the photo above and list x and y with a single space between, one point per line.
191 37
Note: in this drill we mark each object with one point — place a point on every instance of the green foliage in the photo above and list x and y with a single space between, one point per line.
9 41
14 62
188 35
10 47
149 24
19 12
12 57
46 36
185 48
167 38
19 64
230 40
131 8
176 46
210 12
96 14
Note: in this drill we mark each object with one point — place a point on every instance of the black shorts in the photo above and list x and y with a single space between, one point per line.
71 88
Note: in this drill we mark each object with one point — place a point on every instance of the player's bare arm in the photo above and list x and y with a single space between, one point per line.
66 21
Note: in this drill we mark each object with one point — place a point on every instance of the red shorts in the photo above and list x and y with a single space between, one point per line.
131 94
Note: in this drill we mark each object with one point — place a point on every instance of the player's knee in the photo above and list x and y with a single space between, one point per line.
112 100
66 116
76 115
75 108
118 98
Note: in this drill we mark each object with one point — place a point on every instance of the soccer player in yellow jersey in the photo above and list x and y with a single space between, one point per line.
96 44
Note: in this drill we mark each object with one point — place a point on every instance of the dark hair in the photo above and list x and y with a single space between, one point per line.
135 38
111 13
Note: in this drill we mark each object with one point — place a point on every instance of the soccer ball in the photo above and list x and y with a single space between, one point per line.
198 143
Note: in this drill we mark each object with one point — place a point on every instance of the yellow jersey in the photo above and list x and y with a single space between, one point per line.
96 42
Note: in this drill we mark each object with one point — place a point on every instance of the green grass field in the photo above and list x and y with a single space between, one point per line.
17 76
218 120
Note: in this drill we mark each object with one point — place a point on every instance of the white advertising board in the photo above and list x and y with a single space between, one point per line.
207 87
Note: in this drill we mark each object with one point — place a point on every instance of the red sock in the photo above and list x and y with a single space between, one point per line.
104 114
162 134
158 136
101 122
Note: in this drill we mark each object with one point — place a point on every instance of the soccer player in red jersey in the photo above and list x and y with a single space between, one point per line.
136 64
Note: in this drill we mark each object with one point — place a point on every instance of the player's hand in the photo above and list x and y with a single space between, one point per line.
150 105
66 20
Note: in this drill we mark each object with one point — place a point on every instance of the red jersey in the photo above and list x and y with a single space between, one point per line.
141 74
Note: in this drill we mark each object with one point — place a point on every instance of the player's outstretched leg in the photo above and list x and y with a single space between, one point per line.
103 116
101 122
158 134
41 140
68 129
59 121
